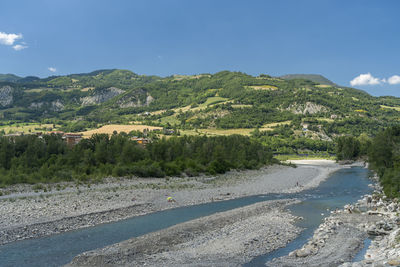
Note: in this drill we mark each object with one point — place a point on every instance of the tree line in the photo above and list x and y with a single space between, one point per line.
384 158
32 159
383 152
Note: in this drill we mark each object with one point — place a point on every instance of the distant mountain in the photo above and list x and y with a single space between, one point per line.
9 78
28 79
311 77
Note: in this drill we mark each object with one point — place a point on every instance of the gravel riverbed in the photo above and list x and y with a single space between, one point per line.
341 236
228 238
25 213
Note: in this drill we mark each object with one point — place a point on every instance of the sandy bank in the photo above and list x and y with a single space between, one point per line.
316 162
223 239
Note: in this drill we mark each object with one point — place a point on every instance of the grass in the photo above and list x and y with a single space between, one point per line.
263 87
87 89
323 86
274 124
37 90
189 132
181 77
388 107
172 120
158 112
214 132
241 131
270 79
109 129
326 119
213 100
27 127
242 106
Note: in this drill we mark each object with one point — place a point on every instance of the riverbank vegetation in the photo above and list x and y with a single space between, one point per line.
384 158
382 153
351 148
31 159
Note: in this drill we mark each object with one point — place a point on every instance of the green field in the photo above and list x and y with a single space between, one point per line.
27 128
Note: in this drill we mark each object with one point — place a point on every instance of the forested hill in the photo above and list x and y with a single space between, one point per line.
286 114
312 77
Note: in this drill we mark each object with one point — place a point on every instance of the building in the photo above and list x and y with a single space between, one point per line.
168 131
140 140
72 138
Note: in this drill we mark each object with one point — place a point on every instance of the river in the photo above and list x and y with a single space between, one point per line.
344 186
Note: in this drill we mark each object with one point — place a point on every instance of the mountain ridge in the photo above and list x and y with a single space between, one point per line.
318 78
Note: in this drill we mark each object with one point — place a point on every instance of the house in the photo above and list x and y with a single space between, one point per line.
72 138
168 131
305 127
141 141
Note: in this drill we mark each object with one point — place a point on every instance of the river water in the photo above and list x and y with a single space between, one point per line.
344 186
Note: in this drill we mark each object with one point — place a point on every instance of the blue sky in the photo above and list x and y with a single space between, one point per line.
339 39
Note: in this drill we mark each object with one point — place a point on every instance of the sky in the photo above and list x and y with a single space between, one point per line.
353 43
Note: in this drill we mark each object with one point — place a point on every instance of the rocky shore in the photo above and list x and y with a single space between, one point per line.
342 235
228 238
25 213
384 232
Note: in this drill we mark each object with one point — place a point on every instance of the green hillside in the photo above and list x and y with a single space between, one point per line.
9 78
312 77
289 115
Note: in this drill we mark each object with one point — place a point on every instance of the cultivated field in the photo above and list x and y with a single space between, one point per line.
241 106
275 124
388 107
323 86
109 129
241 131
263 87
27 128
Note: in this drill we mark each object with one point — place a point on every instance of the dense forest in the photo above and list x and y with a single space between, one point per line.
31 159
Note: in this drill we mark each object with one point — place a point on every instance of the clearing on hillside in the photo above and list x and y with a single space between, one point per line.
109 129
388 107
263 87
27 128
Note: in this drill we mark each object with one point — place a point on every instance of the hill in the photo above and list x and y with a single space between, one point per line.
311 77
288 115
9 78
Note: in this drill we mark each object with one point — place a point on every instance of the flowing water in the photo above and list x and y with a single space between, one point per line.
344 186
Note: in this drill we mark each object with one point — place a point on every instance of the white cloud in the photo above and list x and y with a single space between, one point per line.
9 38
19 47
395 79
52 69
365 79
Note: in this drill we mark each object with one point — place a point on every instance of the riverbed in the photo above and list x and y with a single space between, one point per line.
344 186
